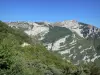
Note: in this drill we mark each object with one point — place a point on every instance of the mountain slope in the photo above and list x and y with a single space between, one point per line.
26 57
76 41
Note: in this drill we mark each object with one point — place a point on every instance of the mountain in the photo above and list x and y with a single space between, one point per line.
19 58
76 41
21 54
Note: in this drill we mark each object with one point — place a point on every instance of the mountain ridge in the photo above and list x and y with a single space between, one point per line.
70 38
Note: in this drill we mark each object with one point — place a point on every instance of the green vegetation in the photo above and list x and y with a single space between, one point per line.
84 24
56 33
6 30
33 59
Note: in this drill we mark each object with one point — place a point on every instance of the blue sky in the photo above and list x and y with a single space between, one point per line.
87 11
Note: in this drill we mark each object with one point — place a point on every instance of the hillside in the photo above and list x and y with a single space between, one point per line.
19 55
79 42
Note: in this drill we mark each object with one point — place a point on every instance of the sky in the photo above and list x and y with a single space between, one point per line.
87 11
